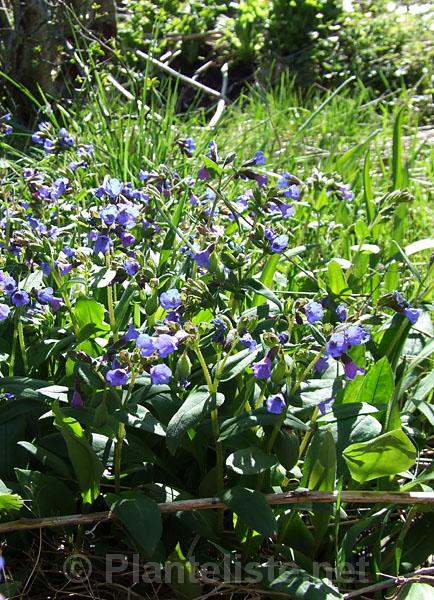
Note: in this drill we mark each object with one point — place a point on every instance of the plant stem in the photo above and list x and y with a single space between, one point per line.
212 388
110 303
22 346
120 438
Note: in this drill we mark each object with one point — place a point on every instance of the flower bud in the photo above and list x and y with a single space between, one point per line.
183 367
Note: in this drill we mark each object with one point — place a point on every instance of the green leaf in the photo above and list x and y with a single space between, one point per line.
261 289
169 240
378 384
237 363
10 502
87 467
249 461
140 516
261 417
212 167
319 469
367 188
196 407
251 508
46 492
417 591
301 585
89 315
140 417
287 449
419 246
336 278
388 454
397 170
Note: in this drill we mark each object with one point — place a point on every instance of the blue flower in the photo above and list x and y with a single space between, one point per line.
46 295
166 344
269 234
127 239
356 335
108 214
341 311
262 368
292 192
412 314
220 329
77 400
279 244
9 285
350 368
259 158
102 244
283 338
321 365
337 345
203 258
20 298
325 406
314 311
4 311
131 333
160 374
113 187
171 299
131 266
248 342
276 404
116 377
146 344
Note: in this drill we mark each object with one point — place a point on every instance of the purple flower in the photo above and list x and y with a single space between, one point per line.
341 311
68 252
203 258
279 244
113 188
350 368
345 191
127 239
325 406
9 285
20 298
276 404
45 295
146 344
4 311
356 335
173 316
102 244
131 266
314 311
171 299
160 374
165 344
337 345
45 268
77 400
321 364
260 179
64 267
259 158
203 174
116 377
287 210
292 192
269 234
412 314
127 216
131 333
283 338
248 342
108 214
262 368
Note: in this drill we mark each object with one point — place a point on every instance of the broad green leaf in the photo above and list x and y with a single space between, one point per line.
89 315
378 384
388 454
249 461
140 516
48 458
287 449
10 502
140 417
417 591
87 467
196 407
319 469
251 508
261 417
301 585
336 278
46 492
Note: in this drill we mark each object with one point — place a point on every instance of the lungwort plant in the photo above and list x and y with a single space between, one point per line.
211 328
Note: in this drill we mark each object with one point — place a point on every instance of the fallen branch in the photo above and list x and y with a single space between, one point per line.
180 76
297 497
221 103
422 575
